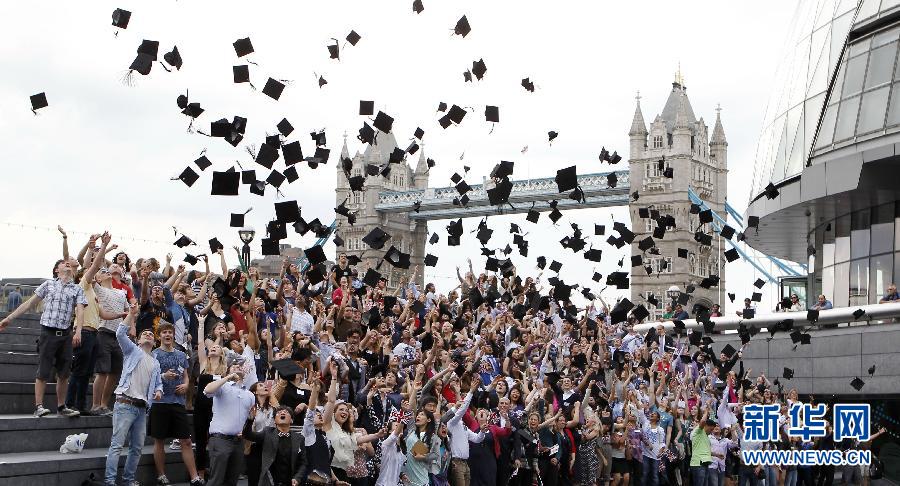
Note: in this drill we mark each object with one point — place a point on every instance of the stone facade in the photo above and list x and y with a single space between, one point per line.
407 235
698 161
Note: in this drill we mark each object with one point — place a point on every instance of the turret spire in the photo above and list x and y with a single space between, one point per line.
638 127
718 134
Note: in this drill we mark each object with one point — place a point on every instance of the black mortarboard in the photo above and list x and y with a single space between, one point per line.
532 216
463 187
683 298
383 122
215 246
397 258
319 157
637 260
258 188
682 253
619 279
366 107
593 255
276 230
541 262
554 215
643 213
430 260
357 183
462 27
759 283
273 88
183 241
619 313
173 58
267 155
434 238
787 373
142 63
748 313
492 114
871 370
314 275
242 47
612 180
695 338
555 266
417 6
812 315
286 368
635 196
706 216
237 220
795 336
396 156
293 153
731 297
479 68
753 222
275 178
270 246
353 37
566 179
190 259
646 243
857 384
285 127
745 337
287 211
315 255
640 312
858 313
202 162
188 176
731 255
668 172
376 238
456 114
710 281
771 191
727 232
225 183
120 18
371 277
551 135
499 194
729 350
241 73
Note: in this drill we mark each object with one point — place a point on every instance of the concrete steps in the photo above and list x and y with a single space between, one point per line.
29 446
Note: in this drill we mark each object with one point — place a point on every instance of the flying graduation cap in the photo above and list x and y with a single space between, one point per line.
462 27
38 101
120 18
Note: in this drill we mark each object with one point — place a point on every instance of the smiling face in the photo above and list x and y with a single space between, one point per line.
146 338
341 413
167 336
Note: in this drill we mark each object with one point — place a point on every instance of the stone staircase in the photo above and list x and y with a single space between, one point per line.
29 446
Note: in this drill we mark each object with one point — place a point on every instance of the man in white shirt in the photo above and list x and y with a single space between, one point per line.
231 405
460 436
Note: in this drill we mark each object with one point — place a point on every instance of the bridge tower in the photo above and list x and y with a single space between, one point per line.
698 161
406 234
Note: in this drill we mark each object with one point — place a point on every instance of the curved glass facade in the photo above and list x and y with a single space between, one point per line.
858 255
820 29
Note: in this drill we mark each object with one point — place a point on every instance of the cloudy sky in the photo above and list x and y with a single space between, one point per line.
101 155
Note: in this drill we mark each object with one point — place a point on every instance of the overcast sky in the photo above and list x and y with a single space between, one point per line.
101 155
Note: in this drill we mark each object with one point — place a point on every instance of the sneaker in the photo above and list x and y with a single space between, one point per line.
198 482
175 445
101 412
162 481
68 412
40 411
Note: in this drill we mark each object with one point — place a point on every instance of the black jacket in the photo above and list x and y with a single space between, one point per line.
268 438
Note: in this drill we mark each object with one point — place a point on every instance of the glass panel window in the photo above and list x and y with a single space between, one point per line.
827 284
859 234
841 297
881 65
893 117
826 133
882 238
896 267
881 271
842 239
871 113
885 37
859 282
853 82
846 120
828 246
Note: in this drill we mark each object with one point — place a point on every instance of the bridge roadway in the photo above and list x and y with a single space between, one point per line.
833 357
437 203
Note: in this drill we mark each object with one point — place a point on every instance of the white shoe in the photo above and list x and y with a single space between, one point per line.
175 445
40 411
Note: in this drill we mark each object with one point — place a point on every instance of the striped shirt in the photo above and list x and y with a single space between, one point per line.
111 300
60 299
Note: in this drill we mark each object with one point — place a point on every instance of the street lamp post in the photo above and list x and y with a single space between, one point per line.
246 233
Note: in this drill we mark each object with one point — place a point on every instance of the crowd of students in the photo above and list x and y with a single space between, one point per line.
345 382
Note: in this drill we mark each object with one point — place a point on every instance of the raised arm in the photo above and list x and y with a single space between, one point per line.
222 262
328 414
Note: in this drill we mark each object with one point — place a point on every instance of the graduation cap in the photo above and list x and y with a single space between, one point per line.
319 138
551 135
322 81
646 243
183 241
463 187
731 255
462 26
787 373
612 180
640 312
668 172
376 238
383 122
532 216
173 58
225 183
484 234
270 246
293 153
812 315
593 255
615 158
190 259
242 47
315 255
120 18
267 155
366 134
456 114
188 176
479 68
795 336
555 266
241 73
857 384
397 156
338 241
753 222
499 194
275 178
727 232
273 88
366 107
619 313
434 238
287 211
397 258
618 279
872 370
555 215
492 114
695 338
858 313
276 230
682 253
353 37
430 260
566 179
417 6
706 216
771 191
215 246
287 368
636 260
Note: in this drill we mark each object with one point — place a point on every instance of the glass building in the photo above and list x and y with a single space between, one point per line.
830 144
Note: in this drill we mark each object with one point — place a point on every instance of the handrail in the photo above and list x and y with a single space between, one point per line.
832 316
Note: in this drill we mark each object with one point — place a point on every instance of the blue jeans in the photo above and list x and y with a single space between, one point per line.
790 478
748 476
714 477
771 476
700 475
651 472
129 423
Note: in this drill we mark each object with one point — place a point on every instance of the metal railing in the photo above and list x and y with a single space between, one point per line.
841 315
